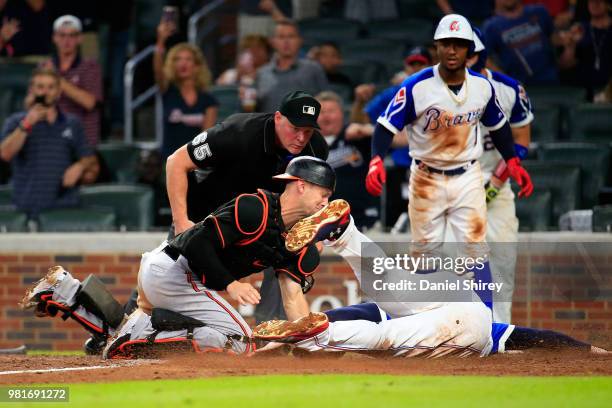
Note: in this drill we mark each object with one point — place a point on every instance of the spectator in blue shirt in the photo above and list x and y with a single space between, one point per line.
519 39
47 148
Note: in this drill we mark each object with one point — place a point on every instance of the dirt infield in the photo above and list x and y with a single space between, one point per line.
213 364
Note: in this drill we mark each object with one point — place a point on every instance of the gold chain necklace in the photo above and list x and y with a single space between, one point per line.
456 98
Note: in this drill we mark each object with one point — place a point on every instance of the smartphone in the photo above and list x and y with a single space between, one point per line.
170 15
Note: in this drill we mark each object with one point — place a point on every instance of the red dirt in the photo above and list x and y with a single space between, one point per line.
213 364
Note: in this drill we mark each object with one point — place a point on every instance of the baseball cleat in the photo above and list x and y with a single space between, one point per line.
326 224
598 350
94 345
42 290
284 331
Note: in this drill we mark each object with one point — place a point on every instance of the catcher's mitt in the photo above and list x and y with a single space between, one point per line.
284 331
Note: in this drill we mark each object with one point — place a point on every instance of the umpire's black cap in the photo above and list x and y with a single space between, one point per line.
311 169
301 108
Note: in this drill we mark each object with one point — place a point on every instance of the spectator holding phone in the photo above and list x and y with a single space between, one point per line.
46 147
183 78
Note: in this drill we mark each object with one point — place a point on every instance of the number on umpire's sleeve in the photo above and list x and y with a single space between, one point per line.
202 152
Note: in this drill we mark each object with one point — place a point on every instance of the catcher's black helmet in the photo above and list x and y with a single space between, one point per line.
311 169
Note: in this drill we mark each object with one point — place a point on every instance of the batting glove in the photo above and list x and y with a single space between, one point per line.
520 175
491 192
377 176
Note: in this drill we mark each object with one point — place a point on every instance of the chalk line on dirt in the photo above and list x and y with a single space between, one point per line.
98 367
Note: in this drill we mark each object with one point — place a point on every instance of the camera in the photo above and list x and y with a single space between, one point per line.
41 99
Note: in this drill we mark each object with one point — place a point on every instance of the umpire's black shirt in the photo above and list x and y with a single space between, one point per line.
237 156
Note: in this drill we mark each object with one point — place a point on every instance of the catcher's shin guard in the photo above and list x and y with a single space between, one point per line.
89 303
284 331
94 297
164 332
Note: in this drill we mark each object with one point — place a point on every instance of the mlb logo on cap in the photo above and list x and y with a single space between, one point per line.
309 110
301 109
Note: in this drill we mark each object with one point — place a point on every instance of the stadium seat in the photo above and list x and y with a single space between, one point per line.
6 107
562 179
13 220
329 29
147 14
591 123
344 91
229 101
408 31
534 213
5 195
418 8
602 218
15 75
361 72
593 160
122 161
373 49
133 203
564 97
546 124
77 220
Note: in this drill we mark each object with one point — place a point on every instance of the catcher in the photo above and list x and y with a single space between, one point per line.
178 302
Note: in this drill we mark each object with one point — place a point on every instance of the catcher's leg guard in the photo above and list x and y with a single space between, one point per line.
94 297
165 332
89 304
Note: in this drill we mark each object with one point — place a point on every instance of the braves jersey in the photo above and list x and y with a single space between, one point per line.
444 129
516 106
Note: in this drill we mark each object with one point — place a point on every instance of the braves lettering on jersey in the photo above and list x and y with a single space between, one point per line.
515 104
443 126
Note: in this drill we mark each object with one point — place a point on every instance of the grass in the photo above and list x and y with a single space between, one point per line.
314 391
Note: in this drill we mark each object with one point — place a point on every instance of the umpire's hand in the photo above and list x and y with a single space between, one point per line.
243 293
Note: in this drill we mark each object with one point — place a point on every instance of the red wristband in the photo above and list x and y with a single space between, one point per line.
25 126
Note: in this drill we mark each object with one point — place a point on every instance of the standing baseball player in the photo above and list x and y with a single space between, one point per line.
178 282
443 106
502 224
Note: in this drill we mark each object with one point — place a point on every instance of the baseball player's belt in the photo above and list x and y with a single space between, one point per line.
173 253
452 172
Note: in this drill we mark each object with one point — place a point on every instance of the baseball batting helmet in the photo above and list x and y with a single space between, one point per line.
480 49
311 169
454 26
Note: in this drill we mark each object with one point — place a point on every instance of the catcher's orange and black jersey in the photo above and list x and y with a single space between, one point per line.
242 237
239 155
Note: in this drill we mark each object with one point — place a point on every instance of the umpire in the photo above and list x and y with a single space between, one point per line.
240 155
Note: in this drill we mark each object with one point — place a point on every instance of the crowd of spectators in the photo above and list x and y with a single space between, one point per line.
540 43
